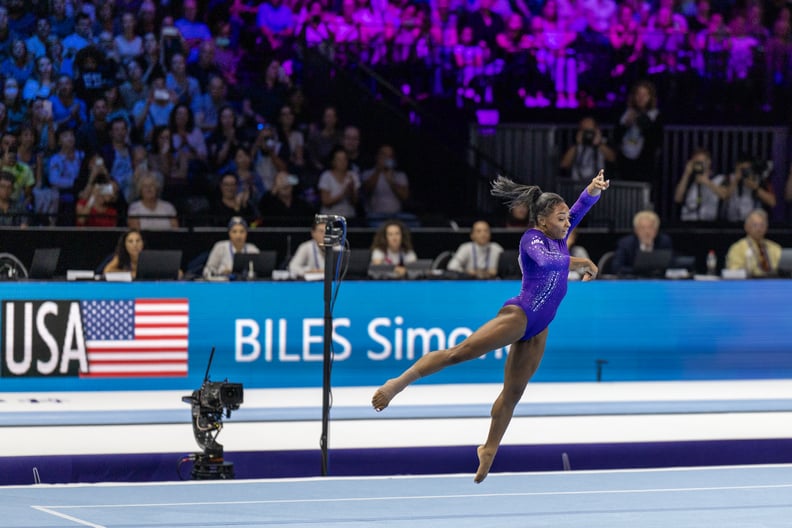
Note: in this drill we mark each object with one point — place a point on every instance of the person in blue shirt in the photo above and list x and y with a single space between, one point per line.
66 106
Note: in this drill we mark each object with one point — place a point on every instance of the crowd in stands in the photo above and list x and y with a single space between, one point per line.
156 114
563 53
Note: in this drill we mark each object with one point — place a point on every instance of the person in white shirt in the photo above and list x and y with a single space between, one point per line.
150 212
699 191
385 187
221 258
478 258
310 255
392 245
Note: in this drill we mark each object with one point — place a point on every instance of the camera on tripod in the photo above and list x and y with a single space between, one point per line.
208 405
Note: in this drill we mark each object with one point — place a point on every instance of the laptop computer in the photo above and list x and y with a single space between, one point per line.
263 264
652 263
683 262
44 263
419 269
159 264
785 263
381 271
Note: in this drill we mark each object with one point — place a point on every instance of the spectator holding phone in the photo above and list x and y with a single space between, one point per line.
155 110
280 206
95 207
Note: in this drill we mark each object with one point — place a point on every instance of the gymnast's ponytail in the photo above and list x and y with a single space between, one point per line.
539 203
513 194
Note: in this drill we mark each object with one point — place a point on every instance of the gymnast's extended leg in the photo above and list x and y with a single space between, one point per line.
506 328
523 360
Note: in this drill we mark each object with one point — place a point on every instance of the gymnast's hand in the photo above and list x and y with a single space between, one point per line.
598 184
587 269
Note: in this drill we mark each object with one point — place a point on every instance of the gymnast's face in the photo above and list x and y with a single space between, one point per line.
556 224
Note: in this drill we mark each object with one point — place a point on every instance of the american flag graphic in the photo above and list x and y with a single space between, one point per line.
136 338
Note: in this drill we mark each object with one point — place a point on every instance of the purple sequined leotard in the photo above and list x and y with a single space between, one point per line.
545 266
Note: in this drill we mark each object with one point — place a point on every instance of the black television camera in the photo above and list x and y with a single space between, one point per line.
217 396
208 405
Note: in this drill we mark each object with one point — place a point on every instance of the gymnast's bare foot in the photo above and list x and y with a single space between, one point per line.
485 457
383 396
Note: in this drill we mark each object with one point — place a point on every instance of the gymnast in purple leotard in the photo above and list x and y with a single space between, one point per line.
522 322
544 262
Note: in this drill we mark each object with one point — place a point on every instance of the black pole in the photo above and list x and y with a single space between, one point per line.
600 363
329 270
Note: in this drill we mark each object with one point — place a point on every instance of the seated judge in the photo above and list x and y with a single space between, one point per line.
479 257
221 259
310 255
646 237
127 252
392 246
754 253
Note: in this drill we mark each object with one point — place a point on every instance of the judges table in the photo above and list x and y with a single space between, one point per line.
158 335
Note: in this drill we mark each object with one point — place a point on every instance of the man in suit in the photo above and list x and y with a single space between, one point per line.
646 237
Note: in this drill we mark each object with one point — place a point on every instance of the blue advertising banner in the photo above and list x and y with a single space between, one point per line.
158 336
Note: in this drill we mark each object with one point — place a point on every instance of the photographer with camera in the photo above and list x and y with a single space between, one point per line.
788 188
750 187
583 160
699 192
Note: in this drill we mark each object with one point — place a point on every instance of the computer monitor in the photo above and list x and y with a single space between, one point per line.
785 263
159 264
359 260
419 269
44 263
263 264
652 263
